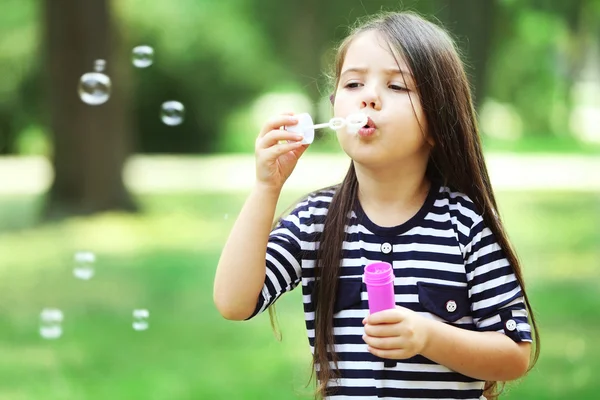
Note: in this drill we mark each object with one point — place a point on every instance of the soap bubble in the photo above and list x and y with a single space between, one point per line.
99 65
84 265
172 113
143 56
51 323
140 319
355 122
94 87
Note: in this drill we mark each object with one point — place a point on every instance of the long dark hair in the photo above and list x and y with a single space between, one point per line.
456 161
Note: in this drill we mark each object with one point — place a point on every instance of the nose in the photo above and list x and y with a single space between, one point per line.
370 99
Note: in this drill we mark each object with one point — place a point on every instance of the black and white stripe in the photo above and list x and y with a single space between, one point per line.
444 251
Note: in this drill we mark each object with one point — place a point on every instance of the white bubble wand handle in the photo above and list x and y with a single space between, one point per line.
334 123
323 125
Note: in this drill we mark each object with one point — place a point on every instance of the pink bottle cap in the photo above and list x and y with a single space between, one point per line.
378 273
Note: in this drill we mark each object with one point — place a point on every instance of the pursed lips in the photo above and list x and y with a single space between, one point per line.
370 123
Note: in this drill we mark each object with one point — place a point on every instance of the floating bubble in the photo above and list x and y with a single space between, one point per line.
99 65
94 87
142 56
84 265
140 319
226 216
51 323
172 113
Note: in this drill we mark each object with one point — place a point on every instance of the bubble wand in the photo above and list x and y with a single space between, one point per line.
306 127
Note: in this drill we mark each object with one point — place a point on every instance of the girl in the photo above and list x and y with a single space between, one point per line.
416 195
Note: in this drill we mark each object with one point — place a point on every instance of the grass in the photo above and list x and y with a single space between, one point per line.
164 261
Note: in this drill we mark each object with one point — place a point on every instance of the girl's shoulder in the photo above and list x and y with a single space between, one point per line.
462 214
310 209
457 204
317 201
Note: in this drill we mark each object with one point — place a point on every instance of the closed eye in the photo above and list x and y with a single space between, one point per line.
398 88
352 85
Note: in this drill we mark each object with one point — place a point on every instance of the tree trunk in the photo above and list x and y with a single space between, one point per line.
306 39
7 134
580 41
91 143
473 24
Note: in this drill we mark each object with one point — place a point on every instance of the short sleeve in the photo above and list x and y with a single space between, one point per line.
283 261
497 302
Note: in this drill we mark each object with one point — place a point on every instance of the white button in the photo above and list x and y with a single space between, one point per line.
386 248
511 325
451 306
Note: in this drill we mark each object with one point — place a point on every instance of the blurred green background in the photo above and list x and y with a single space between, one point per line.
155 203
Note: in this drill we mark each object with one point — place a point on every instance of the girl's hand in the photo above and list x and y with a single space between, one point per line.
275 161
398 333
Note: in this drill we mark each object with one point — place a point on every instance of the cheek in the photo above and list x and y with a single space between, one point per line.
418 109
421 118
341 103
343 139
336 108
338 105
422 121
417 114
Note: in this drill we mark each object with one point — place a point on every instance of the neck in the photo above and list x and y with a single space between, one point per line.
403 189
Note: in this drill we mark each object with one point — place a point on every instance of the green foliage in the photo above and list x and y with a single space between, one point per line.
19 35
208 55
217 57
525 73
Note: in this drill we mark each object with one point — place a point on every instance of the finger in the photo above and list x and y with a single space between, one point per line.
275 136
381 330
300 150
274 152
276 122
390 316
389 354
387 343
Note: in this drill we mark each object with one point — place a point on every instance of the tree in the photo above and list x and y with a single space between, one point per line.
91 143
472 23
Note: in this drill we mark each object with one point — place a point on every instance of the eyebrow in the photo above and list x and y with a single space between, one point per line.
390 71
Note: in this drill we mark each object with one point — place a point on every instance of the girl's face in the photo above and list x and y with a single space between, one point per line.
370 82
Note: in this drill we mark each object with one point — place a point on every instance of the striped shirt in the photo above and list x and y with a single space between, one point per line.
447 266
